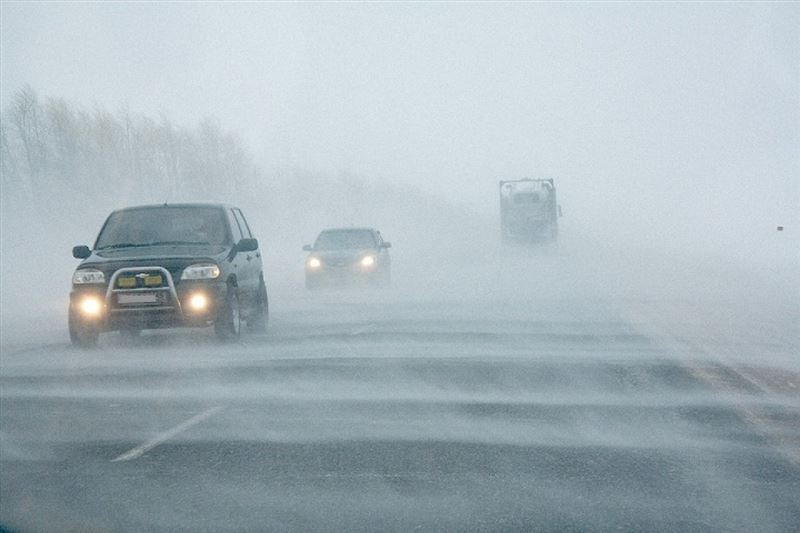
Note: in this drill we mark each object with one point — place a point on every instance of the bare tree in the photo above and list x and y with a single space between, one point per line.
8 163
77 150
64 136
24 115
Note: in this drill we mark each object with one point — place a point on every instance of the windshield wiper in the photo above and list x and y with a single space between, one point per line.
161 243
123 245
156 243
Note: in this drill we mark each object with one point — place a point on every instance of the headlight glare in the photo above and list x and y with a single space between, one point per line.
368 261
88 275
91 306
198 301
201 271
314 263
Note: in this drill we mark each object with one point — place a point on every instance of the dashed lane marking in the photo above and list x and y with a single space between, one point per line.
143 448
775 433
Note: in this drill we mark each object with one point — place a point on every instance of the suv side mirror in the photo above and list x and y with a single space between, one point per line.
247 245
386 245
307 248
81 252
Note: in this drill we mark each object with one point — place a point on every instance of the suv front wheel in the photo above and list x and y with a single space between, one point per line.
257 321
82 334
228 324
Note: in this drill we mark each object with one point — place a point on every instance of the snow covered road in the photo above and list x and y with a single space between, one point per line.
365 412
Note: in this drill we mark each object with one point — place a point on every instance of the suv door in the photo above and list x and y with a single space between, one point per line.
383 253
236 258
250 263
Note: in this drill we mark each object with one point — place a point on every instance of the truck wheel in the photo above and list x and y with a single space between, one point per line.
228 325
80 334
258 321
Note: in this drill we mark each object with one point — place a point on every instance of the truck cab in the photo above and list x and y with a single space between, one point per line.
528 211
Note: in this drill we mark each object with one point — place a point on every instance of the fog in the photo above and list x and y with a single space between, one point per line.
667 312
671 131
673 126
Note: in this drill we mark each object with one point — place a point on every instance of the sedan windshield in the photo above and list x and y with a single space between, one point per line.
345 240
151 226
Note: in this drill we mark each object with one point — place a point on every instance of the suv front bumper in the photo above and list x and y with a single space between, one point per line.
189 303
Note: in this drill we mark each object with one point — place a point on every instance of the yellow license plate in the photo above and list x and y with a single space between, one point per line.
126 282
153 281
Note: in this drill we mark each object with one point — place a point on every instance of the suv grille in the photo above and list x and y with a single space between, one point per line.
140 280
139 288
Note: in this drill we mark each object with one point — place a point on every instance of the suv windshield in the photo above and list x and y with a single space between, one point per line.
149 226
344 240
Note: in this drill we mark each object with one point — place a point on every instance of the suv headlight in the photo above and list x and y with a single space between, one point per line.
88 275
201 271
367 261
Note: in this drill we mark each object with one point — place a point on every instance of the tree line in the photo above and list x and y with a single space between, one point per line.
52 148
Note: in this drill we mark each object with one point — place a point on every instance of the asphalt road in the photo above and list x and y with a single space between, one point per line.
369 412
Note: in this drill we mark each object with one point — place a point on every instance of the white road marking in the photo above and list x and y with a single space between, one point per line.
667 338
165 436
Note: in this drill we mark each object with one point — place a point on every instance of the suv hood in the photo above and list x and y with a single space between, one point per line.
172 258
157 252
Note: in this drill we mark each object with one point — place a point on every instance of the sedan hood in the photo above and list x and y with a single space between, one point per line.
341 257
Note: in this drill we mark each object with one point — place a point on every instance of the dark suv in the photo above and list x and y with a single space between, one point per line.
171 265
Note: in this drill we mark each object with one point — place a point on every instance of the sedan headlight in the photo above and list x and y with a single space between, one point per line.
88 275
201 271
367 261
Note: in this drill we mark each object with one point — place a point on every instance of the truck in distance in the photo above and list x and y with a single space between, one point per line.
529 211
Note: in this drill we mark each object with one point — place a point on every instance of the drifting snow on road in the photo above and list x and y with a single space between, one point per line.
365 410
554 282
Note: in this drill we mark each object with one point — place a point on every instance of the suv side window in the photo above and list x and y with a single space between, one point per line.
235 227
242 222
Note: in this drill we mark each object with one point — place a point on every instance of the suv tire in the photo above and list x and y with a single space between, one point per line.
228 325
82 335
257 322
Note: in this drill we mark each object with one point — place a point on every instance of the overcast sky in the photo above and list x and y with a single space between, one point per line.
691 109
